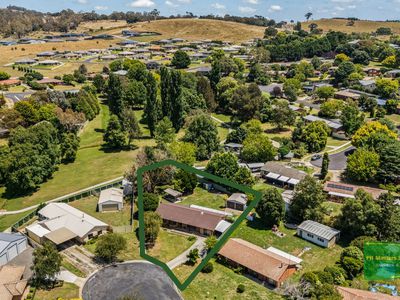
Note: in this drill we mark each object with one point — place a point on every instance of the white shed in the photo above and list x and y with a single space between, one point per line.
11 245
111 199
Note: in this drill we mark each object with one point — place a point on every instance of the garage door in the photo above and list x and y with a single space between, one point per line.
110 207
12 252
21 246
3 259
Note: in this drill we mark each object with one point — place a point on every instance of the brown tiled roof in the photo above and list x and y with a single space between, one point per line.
10 82
349 189
255 258
354 294
189 216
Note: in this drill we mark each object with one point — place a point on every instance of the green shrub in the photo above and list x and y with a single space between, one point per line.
191 238
208 268
240 289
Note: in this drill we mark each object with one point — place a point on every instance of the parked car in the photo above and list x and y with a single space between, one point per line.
316 157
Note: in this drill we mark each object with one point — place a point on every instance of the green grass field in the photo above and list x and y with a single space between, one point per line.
92 166
168 246
67 291
7 220
202 197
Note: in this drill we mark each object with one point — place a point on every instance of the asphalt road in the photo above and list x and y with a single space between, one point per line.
140 280
337 162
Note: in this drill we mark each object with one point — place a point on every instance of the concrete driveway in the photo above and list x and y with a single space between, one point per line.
140 280
337 162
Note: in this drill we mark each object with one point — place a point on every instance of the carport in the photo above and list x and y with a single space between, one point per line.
60 236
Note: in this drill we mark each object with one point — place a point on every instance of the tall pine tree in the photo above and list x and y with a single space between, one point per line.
114 92
152 109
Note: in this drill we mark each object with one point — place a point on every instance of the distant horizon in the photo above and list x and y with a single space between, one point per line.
283 10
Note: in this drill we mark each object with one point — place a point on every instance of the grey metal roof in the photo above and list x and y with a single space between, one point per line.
318 229
7 238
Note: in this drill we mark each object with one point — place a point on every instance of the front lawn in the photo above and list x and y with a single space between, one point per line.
74 270
89 206
222 284
67 291
168 246
202 197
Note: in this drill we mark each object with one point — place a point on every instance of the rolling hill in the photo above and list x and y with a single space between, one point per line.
358 27
190 29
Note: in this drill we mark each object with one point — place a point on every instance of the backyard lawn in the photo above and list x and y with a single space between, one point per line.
67 291
92 166
314 259
222 284
7 220
202 197
117 218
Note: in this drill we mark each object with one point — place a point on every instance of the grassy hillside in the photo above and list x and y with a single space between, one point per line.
359 26
194 29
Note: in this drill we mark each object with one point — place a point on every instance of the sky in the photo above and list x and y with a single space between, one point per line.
279 10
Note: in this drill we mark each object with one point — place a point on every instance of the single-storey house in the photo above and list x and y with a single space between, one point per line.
46 54
393 73
317 233
368 85
346 94
11 245
356 294
10 82
255 167
233 147
49 63
334 125
51 81
205 71
198 56
338 191
108 57
282 175
111 200
199 221
172 195
237 201
372 71
26 61
12 284
270 265
60 222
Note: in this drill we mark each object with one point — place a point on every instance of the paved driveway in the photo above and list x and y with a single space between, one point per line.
140 280
337 162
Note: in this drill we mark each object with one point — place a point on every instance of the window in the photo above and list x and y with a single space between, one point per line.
321 240
310 235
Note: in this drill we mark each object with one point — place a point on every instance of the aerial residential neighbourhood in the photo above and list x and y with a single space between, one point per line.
273 128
